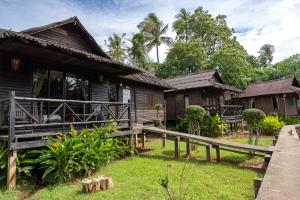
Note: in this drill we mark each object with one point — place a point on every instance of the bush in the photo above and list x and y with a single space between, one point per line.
195 112
274 114
183 124
290 120
271 125
253 117
76 154
3 160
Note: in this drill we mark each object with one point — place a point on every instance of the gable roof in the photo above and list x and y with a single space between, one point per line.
148 78
279 86
199 80
36 31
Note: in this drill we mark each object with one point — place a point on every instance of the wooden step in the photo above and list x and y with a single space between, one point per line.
28 144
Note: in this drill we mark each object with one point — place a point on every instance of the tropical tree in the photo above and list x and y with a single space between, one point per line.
183 58
288 67
265 57
138 50
117 47
232 62
181 24
154 32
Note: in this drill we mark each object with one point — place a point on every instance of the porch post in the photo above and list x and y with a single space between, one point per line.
284 105
12 154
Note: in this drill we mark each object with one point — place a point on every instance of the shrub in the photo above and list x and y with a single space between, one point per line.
290 120
253 117
195 112
274 114
78 153
271 125
3 160
183 124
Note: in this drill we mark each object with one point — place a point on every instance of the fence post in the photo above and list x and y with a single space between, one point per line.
188 147
12 154
164 137
208 153
129 115
177 147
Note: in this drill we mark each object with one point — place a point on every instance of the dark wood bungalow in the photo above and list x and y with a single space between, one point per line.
281 96
205 88
60 76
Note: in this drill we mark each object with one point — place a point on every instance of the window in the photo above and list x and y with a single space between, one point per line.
77 87
151 99
126 95
275 103
291 101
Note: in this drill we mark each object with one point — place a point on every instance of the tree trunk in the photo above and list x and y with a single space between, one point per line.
157 53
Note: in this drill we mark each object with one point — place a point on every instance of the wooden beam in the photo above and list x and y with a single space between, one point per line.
12 118
218 153
12 169
208 153
188 147
143 139
177 147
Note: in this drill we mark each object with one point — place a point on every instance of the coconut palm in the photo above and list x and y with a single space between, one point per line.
154 32
138 50
266 55
181 25
116 46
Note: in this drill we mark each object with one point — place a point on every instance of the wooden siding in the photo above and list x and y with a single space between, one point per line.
66 35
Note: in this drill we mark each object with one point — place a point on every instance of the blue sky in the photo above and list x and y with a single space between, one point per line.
256 21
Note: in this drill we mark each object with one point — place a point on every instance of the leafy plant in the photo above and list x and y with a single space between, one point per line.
3 160
79 153
290 120
271 124
253 118
158 107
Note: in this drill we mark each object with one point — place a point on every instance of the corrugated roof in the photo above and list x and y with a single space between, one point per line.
199 80
279 86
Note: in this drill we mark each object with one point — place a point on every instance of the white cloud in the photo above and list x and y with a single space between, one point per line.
271 21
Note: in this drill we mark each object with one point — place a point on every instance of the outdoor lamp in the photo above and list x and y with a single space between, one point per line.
15 63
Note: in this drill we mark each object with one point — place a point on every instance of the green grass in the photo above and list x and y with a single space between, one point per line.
137 177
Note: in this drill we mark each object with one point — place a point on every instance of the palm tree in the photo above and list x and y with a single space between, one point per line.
138 50
183 18
265 57
154 31
116 46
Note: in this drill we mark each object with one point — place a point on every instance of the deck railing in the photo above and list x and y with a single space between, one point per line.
225 110
22 114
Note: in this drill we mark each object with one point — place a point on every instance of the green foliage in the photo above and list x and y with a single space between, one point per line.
184 58
138 51
232 62
158 106
290 120
274 114
289 67
265 57
182 25
78 153
270 125
253 117
195 113
116 46
3 159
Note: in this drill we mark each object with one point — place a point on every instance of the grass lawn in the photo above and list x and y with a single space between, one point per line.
137 177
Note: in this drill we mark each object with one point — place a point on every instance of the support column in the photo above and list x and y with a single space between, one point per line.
218 153
188 147
143 139
208 153
177 147
164 137
12 169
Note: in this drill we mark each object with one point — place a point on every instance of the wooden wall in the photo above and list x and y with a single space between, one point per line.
265 104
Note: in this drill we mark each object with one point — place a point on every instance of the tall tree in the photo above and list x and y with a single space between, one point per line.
183 58
116 47
265 57
289 67
232 61
138 50
181 24
154 32
212 32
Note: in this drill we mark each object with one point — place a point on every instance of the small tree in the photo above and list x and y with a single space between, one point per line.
158 106
253 118
195 115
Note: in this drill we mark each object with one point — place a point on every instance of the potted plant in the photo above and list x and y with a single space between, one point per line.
157 121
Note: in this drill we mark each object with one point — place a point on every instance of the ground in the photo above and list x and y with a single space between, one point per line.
138 177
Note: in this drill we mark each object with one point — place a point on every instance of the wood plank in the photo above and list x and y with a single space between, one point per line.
177 147
12 169
267 150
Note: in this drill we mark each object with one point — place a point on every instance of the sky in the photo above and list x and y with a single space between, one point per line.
256 22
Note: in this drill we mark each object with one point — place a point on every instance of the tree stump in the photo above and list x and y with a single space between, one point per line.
96 184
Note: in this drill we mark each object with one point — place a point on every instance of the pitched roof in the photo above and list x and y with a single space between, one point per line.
279 86
199 80
148 78
76 22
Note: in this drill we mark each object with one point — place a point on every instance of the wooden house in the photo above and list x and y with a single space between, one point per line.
205 88
57 75
280 96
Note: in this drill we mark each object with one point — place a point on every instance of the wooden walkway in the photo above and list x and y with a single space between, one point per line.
210 141
282 178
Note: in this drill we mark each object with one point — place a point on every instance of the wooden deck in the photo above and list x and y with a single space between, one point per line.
211 141
282 178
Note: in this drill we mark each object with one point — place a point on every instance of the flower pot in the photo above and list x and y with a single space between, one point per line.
157 122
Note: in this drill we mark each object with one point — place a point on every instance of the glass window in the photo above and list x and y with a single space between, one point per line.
275 102
77 87
126 95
